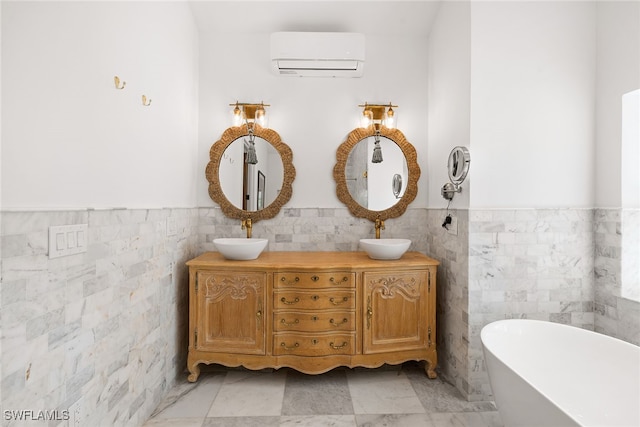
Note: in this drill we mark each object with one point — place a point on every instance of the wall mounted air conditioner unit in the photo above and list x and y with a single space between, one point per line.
310 54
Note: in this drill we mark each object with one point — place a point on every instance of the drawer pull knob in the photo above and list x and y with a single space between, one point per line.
284 301
315 297
285 323
334 323
315 278
336 282
334 302
338 347
283 345
284 279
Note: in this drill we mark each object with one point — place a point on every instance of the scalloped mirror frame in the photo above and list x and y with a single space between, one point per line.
212 173
410 154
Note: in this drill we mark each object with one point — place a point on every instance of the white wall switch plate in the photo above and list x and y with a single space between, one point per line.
67 240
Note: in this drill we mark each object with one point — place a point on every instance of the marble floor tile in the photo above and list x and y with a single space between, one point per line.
318 420
395 420
397 396
466 419
174 422
326 394
250 393
386 392
191 400
242 422
436 395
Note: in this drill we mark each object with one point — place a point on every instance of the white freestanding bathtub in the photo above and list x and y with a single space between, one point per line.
548 374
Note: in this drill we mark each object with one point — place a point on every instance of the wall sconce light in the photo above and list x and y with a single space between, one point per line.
251 115
377 115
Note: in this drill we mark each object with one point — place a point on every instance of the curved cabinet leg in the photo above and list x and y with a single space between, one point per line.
430 369
194 371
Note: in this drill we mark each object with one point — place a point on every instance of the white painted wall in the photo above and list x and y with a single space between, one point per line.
449 93
618 56
69 138
312 115
630 168
532 104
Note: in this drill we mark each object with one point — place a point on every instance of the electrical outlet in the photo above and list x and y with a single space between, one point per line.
452 228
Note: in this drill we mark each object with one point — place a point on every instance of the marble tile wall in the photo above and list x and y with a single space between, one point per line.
313 229
107 328
615 315
103 330
452 299
527 263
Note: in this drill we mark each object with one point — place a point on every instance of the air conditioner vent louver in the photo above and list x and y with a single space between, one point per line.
317 54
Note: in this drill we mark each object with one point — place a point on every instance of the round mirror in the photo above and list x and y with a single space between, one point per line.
363 175
374 190
458 165
250 185
250 174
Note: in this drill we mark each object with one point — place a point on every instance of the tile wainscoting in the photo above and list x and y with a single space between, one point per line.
616 315
527 263
103 331
106 329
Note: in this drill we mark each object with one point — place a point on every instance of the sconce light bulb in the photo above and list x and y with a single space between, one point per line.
261 117
237 116
367 118
390 119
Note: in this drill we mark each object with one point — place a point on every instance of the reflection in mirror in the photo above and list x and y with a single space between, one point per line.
251 187
367 189
384 177
250 191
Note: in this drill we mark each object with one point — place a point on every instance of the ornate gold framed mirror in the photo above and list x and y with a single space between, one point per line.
250 172
369 186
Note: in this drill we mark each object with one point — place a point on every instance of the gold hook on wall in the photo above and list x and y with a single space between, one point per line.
116 80
146 102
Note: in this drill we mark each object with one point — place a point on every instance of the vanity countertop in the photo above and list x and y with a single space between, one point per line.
304 260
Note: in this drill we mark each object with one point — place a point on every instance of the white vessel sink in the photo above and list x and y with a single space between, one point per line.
385 248
237 248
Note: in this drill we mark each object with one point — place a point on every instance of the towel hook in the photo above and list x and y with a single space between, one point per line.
146 102
116 80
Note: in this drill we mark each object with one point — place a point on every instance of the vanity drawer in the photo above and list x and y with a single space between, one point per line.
305 321
314 300
334 279
313 345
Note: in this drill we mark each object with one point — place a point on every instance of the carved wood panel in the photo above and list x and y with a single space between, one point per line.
395 311
232 307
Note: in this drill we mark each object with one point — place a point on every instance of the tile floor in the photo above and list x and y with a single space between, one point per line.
387 396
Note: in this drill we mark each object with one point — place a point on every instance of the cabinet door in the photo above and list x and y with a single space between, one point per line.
395 311
230 312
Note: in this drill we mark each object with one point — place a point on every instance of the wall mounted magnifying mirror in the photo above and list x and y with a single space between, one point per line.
458 167
375 189
250 172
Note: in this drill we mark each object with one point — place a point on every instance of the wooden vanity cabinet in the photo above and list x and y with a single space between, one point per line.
311 311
